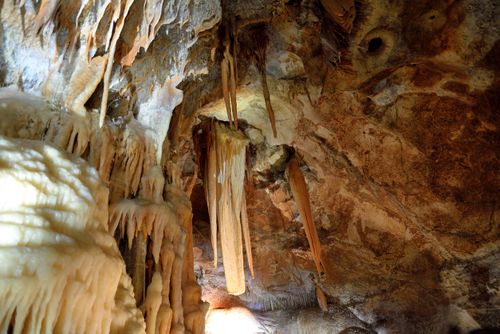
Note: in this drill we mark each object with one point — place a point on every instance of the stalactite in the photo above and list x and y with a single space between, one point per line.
267 99
321 297
168 224
228 147
70 132
146 32
83 82
45 13
341 11
210 181
131 157
119 18
246 234
232 85
225 73
124 157
61 271
153 184
229 79
91 34
152 219
301 197
119 154
260 41
102 151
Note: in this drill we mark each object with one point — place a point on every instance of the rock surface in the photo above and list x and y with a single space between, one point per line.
395 123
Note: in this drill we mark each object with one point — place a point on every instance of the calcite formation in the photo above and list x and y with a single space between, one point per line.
61 270
301 196
125 159
224 182
360 154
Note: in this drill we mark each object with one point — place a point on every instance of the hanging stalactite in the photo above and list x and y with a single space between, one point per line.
229 80
153 223
224 179
301 196
259 42
342 12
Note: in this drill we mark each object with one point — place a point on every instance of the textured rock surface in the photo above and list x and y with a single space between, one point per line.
396 124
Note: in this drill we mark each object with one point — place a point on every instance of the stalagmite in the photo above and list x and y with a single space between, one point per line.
167 258
228 147
164 319
165 223
194 311
167 262
301 197
153 302
176 287
61 271
137 268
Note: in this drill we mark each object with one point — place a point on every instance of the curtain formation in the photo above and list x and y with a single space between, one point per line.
151 216
61 271
224 180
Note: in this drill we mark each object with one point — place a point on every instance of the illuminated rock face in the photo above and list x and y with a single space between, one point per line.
61 270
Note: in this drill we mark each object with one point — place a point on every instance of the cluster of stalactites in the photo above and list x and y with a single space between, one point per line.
120 154
61 270
125 159
159 222
96 25
224 181
173 297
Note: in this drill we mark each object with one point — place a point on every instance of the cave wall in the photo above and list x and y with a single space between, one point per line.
395 122
397 127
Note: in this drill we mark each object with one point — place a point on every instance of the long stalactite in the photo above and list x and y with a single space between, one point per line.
224 179
301 196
